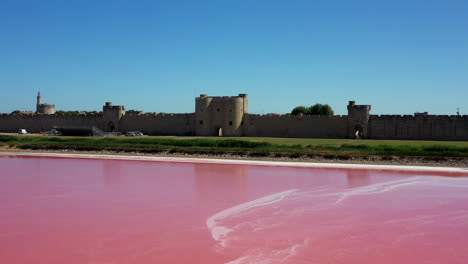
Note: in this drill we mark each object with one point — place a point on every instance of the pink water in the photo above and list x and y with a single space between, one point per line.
55 210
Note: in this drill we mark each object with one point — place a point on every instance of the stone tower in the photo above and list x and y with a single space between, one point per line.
45 109
112 115
220 115
39 99
358 118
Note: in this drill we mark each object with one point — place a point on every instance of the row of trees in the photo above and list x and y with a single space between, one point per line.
316 109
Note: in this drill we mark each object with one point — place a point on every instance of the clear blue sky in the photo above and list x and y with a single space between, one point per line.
399 56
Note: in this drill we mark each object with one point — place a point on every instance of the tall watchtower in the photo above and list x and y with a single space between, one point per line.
220 115
39 99
112 115
358 118
45 109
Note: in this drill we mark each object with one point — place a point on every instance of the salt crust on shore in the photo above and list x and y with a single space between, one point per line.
242 162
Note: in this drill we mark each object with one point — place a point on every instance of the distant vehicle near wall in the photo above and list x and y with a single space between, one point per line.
134 134
53 132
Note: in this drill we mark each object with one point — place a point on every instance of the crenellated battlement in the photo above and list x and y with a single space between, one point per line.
418 117
297 117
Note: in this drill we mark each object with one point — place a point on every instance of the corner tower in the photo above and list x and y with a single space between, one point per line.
220 115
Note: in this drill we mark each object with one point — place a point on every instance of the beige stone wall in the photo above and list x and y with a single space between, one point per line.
295 126
432 127
159 124
229 113
379 127
35 123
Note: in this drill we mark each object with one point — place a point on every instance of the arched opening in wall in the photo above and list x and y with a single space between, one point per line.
357 132
219 132
230 123
111 126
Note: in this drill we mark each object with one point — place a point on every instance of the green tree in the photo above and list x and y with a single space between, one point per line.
16 112
327 110
316 109
300 110
319 109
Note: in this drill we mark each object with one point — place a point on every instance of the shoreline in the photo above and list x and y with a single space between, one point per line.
451 154
210 159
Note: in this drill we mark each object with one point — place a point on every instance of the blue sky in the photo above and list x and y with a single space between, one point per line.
399 56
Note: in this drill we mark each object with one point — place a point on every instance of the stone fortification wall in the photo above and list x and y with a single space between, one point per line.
307 126
159 124
431 127
42 122
220 115
228 116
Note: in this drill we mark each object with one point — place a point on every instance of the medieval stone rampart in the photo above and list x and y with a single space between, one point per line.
307 126
160 124
35 123
228 116
430 127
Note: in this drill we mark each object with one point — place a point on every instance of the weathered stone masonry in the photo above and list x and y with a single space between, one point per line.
228 116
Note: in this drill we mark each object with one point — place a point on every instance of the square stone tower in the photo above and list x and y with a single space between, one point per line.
112 115
358 119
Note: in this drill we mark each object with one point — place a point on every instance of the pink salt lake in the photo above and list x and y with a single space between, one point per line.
63 210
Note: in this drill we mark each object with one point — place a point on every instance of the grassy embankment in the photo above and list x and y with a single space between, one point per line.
279 147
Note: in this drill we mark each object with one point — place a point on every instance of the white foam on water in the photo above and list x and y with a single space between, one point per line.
295 248
219 232
382 187
401 183
268 256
